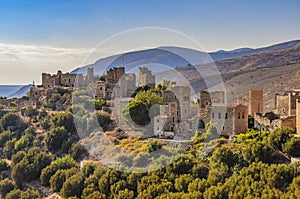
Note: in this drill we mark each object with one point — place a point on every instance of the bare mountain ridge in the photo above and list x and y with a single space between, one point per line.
273 72
269 59
250 51
174 57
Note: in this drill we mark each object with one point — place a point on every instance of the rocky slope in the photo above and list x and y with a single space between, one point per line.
272 72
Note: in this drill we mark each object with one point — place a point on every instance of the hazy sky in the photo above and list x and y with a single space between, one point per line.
37 36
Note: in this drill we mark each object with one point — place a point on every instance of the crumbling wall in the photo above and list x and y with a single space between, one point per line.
145 77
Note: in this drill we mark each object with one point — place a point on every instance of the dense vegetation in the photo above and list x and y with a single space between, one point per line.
145 107
42 151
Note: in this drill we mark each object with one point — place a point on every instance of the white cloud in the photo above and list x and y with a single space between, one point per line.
21 64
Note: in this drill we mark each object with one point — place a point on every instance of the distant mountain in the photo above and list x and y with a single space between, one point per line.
221 55
130 60
21 92
174 57
6 90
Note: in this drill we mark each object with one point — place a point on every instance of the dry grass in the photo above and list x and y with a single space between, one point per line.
133 145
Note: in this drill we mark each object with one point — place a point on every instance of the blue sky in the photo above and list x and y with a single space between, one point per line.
215 24
30 30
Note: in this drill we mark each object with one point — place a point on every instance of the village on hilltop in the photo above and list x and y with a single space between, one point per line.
179 116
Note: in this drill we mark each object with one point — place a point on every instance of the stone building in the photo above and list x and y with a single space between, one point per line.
180 95
117 105
40 95
114 74
231 119
271 121
285 113
204 99
183 95
126 86
174 113
67 79
208 98
62 79
145 77
253 99
298 117
217 97
168 125
37 92
285 105
53 83
117 84
169 117
169 98
90 77
102 90
164 122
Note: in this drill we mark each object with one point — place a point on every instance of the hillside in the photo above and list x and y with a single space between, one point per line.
273 72
263 60
174 57
221 55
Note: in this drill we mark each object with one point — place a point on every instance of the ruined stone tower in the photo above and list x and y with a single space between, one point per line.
90 75
253 100
145 77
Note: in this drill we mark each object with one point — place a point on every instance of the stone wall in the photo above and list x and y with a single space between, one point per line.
126 86
182 94
241 119
217 97
230 118
285 104
294 97
117 106
298 117
123 87
60 79
114 74
253 100
90 75
282 105
36 93
264 123
204 99
289 122
68 80
162 123
101 90
170 97
175 111
145 77
207 99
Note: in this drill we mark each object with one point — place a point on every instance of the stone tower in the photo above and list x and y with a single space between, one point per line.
285 105
90 75
298 116
114 74
183 95
145 77
253 100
